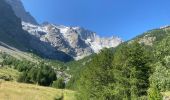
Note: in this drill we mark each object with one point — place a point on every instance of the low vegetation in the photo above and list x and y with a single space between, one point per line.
9 74
10 89
21 91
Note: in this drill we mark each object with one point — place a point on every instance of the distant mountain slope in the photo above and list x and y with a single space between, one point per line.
10 27
21 12
154 36
4 48
12 34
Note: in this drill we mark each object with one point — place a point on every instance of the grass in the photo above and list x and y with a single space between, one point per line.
9 73
12 90
20 91
166 93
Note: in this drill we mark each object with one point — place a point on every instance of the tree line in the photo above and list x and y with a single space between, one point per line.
132 71
34 73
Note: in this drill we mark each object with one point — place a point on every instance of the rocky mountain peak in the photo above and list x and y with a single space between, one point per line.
77 42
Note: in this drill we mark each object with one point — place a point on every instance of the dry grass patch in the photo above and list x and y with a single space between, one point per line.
20 91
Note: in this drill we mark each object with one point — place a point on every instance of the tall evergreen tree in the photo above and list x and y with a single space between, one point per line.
97 77
122 74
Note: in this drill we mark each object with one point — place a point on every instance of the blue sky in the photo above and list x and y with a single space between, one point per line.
123 18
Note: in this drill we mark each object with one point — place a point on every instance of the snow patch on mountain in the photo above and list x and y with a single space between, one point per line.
75 41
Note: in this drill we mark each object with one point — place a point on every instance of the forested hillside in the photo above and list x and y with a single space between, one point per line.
132 71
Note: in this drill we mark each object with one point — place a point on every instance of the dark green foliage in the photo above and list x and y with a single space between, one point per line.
138 71
17 64
137 62
160 79
132 62
59 84
75 69
42 75
97 77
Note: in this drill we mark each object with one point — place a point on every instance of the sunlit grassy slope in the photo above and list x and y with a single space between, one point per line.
11 90
20 91
9 73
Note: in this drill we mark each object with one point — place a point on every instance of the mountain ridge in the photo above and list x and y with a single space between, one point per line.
76 42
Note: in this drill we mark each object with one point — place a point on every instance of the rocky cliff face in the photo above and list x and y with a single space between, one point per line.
75 41
12 34
20 11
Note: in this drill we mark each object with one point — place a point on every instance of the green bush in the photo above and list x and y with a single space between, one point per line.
60 84
154 94
42 75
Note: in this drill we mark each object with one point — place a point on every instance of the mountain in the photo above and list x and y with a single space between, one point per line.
74 41
20 11
13 36
11 31
77 42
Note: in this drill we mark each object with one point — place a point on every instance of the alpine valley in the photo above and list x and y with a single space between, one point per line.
56 62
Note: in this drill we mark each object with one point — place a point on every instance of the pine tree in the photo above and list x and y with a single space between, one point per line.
96 81
138 64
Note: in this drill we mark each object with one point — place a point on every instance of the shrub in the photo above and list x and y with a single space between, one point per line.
60 84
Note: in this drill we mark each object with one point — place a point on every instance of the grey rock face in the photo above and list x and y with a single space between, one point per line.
69 42
20 12
56 39
74 41
12 34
